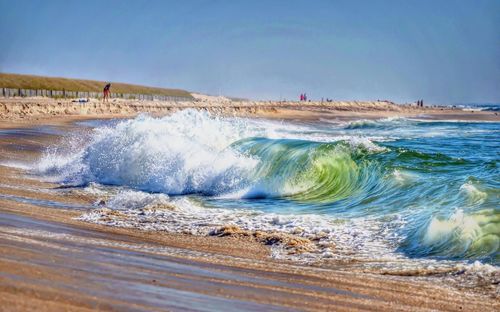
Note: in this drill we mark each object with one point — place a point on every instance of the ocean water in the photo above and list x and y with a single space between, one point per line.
489 107
391 193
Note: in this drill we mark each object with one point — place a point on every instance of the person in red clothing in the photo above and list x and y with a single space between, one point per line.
301 97
106 92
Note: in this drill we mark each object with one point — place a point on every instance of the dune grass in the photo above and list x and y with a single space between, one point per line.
18 81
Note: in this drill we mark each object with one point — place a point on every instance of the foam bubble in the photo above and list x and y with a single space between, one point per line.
130 199
338 238
473 193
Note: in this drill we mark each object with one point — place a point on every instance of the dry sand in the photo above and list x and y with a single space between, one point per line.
33 109
49 261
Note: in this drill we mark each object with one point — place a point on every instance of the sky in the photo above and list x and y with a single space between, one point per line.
441 51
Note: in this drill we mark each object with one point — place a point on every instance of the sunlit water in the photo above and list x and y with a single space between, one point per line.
385 189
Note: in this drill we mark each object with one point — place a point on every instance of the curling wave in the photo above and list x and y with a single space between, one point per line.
394 192
172 156
308 171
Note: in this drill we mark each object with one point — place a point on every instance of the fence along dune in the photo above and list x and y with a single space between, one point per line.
18 81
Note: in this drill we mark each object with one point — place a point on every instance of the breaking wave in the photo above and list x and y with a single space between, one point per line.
195 153
359 191
461 235
377 123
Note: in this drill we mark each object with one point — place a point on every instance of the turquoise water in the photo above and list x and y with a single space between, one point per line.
441 178
432 188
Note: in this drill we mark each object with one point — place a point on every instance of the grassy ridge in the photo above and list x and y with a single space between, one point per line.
17 81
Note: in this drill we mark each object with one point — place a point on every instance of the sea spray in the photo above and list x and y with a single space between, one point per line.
184 153
385 191
172 156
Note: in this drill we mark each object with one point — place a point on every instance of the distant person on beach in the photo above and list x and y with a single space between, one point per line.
301 97
305 97
106 92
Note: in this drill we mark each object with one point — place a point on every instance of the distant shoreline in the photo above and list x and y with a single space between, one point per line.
37 109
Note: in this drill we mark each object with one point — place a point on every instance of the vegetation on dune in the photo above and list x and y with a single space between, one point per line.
18 81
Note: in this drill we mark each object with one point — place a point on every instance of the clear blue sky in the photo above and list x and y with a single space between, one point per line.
441 51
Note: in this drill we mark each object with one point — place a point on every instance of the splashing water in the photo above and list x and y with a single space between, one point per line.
389 188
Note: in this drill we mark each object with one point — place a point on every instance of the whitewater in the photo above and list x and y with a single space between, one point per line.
393 194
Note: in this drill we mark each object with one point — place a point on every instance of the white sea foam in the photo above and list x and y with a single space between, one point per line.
130 199
95 189
365 143
403 177
16 164
350 239
183 153
475 109
360 123
475 233
382 122
475 195
187 152
442 229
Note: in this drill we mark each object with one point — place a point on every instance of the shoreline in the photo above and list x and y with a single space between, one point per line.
55 234
251 279
42 110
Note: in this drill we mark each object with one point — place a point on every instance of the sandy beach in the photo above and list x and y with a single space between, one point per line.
31 110
53 261
249 156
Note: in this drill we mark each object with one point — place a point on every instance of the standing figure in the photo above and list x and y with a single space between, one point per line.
106 92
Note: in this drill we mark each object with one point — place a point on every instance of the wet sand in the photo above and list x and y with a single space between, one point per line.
51 261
